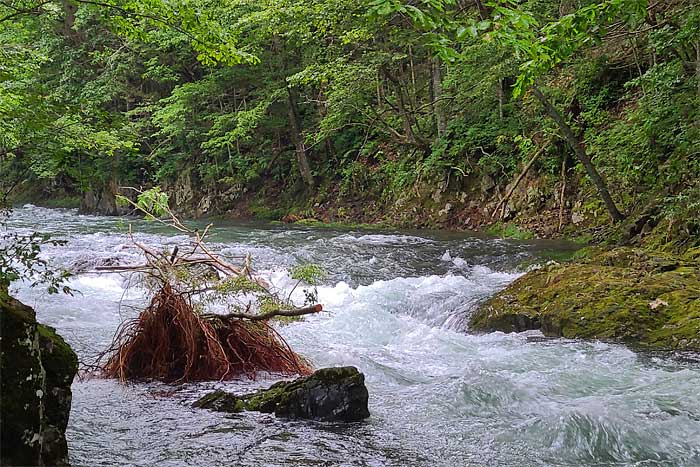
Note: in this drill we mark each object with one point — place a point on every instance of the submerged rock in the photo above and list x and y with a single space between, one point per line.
38 368
330 394
220 401
625 294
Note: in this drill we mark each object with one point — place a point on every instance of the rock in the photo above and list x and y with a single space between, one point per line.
220 401
487 184
183 191
38 368
330 394
445 210
102 201
625 294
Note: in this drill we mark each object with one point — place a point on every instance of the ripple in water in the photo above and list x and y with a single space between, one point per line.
398 306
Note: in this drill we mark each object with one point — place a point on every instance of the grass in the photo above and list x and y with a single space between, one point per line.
509 231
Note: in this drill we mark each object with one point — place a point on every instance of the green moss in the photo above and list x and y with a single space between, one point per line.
692 254
545 256
624 294
260 211
267 400
310 222
62 202
510 231
57 354
220 401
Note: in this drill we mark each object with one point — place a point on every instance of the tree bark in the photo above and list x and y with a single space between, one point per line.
484 10
438 107
562 194
298 138
697 63
580 151
408 119
501 98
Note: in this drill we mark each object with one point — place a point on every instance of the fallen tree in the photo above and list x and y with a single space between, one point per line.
177 338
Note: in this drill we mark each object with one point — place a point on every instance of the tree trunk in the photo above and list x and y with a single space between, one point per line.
697 63
579 150
484 10
298 138
501 98
408 119
70 9
438 107
562 194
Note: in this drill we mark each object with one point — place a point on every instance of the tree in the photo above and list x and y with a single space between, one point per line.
538 47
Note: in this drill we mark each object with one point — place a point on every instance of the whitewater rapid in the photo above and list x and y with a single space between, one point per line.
398 305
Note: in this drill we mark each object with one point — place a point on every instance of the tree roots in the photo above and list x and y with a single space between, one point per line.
172 342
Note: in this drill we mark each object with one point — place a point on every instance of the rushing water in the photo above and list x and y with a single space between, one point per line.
398 307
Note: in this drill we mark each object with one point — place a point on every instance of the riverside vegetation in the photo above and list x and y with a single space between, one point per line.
533 118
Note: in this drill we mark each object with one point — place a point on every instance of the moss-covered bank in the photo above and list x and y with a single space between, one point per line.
624 294
38 368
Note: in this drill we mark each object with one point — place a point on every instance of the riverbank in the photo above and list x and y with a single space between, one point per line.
470 205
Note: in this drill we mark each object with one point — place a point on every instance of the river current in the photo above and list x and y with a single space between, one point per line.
398 307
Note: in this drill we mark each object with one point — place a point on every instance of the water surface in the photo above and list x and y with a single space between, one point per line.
398 306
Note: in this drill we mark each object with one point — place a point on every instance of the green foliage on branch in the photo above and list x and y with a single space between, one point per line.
21 260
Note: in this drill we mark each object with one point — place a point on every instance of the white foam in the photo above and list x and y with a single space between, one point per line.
111 283
382 239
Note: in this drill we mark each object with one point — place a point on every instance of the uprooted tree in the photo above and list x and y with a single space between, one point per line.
177 337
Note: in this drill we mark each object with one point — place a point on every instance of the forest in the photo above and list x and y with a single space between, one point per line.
350 232
418 114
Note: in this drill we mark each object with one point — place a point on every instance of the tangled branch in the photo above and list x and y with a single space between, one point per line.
173 339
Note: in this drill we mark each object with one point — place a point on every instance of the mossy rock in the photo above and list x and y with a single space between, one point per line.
37 372
626 294
61 365
310 222
220 401
21 410
331 394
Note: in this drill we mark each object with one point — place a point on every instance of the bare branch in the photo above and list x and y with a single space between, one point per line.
270 314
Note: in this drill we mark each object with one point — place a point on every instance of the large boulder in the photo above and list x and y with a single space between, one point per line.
625 294
102 200
330 394
38 368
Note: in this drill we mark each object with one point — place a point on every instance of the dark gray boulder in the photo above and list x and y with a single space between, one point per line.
38 368
330 394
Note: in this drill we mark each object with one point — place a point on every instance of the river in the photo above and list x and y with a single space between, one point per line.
398 306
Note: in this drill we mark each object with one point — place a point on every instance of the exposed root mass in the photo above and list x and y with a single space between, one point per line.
172 342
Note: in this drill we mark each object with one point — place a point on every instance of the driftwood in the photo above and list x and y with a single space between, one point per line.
270 314
171 342
174 340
